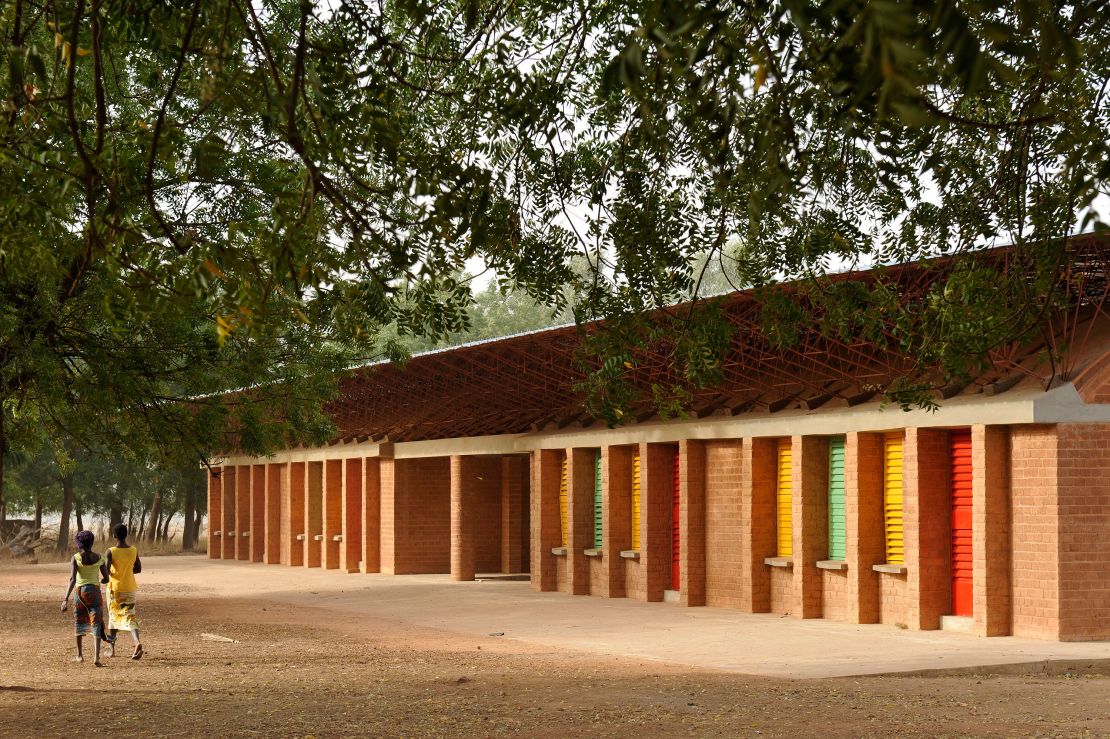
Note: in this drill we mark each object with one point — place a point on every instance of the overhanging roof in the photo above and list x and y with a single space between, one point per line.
527 382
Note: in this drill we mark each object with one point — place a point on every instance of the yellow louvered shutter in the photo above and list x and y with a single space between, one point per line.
636 500
784 503
563 502
892 498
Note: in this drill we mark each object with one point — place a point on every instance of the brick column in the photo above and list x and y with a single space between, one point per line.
928 525
462 519
691 474
810 512
512 512
331 513
227 523
257 539
371 515
272 503
392 515
991 530
294 481
616 516
243 512
863 523
580 518
351 547
313 513
215 514
656 486
546 468
757 530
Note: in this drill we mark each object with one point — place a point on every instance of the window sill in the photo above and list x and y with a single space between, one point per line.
890 569
779 561
832 564
592 552
631 554
559 551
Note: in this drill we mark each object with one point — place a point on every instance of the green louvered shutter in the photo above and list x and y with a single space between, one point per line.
597 501
837 537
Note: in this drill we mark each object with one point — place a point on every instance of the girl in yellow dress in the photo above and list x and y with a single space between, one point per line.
123 564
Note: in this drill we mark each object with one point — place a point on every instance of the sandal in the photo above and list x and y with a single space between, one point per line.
138 652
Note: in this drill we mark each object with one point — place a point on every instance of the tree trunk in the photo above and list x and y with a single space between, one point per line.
142 523
38 510
188 534
165 534
196 528
67 510
155 515
115 515
77 512
3 453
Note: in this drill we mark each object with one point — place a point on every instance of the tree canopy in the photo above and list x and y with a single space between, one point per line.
219 194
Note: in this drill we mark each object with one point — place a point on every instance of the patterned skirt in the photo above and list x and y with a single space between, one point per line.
121 611
88 611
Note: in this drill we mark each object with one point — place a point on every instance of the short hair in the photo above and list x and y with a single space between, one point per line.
84 539
120 531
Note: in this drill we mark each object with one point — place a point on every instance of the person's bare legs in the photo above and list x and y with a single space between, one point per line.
112 644
79 657
138 644
96 651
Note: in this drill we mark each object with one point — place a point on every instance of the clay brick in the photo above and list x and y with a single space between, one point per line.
227 509
863 501
691 471
810 469
991 530
616 513
580 518
275 514
928 526
215 513
313 513
723 523
514 524
257 540
294 481
757 534
371 515
546 533
350 548
242 512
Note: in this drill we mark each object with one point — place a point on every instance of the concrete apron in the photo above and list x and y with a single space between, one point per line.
708 638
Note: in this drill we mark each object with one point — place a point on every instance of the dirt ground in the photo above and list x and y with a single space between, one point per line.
296 671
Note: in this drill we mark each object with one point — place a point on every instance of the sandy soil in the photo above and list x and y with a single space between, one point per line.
295 670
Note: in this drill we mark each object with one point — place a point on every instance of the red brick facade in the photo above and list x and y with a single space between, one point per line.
1040 522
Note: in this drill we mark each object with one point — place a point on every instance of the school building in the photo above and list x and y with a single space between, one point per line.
792 489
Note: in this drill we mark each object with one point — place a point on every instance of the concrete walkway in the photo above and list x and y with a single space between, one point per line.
711 638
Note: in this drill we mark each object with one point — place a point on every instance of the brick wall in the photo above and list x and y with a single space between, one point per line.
1084 516
215 513
810 484
894 600
313 513
423 532
724 561
544 505
580 517
227 514
293 494
836 596
928 519
275 513
514 514
757 527
332 513
657 491
351 548
258 513
391 516
485 482
243 512
991 530
371 553
616 486
1033 479
781 590
863 506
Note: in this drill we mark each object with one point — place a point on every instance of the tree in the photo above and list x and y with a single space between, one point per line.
215 195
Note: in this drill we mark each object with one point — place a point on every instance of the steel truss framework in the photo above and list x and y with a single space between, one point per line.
528 382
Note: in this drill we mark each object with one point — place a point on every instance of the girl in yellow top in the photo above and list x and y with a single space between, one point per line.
123 564
86 574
